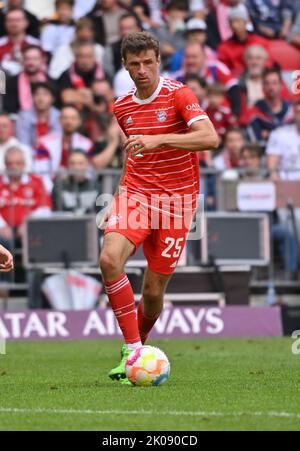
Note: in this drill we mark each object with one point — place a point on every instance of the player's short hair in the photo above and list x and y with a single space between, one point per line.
139 42
254 149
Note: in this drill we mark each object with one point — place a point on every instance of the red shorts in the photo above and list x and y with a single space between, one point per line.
163 235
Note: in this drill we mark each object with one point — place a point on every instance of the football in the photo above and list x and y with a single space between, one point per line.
147 366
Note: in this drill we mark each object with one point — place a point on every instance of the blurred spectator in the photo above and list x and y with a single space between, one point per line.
284 240
196 31
271 18
283 150
128 23
19 88
106 15
251 82
82 8
199 87
21 195
218 111
7 140
230 157
33 28
218 29
77 192
251 162
54 149
171 34
231 52
15 41
122 80
60 31
40 120
294 35
150 13
85 70
64 56
270 112
195 63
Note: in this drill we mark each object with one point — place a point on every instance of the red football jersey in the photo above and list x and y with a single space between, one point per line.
172 108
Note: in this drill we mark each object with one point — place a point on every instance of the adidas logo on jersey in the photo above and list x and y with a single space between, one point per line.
129 121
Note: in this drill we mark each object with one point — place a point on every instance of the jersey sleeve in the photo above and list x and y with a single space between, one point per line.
115 112
187 104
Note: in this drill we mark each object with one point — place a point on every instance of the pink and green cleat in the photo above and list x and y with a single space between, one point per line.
118 373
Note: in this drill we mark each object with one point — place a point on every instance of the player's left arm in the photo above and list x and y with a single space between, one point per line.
202 136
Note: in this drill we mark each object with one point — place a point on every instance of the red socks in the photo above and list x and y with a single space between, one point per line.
145 323
121 299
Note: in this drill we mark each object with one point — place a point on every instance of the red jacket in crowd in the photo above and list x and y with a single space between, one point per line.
18 203
231 52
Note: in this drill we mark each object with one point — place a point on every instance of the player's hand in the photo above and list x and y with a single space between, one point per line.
103 217
143 143
6 260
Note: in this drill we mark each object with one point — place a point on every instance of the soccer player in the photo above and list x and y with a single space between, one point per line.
165 129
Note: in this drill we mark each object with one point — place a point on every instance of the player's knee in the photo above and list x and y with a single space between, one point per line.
152 293
110 264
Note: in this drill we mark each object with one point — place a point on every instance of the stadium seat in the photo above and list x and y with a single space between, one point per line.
287 56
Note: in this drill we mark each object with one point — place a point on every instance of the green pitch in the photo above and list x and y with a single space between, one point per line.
214 385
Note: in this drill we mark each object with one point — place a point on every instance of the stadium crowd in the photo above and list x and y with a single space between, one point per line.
64 72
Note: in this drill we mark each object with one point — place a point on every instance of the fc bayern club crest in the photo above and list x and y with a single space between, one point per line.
161 116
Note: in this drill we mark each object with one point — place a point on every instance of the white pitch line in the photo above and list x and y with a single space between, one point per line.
151 412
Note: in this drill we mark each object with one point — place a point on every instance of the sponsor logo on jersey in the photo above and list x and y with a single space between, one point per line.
161 116
193 107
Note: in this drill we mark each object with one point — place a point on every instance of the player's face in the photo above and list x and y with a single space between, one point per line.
143 68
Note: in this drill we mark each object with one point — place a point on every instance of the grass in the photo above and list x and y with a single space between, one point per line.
227 384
